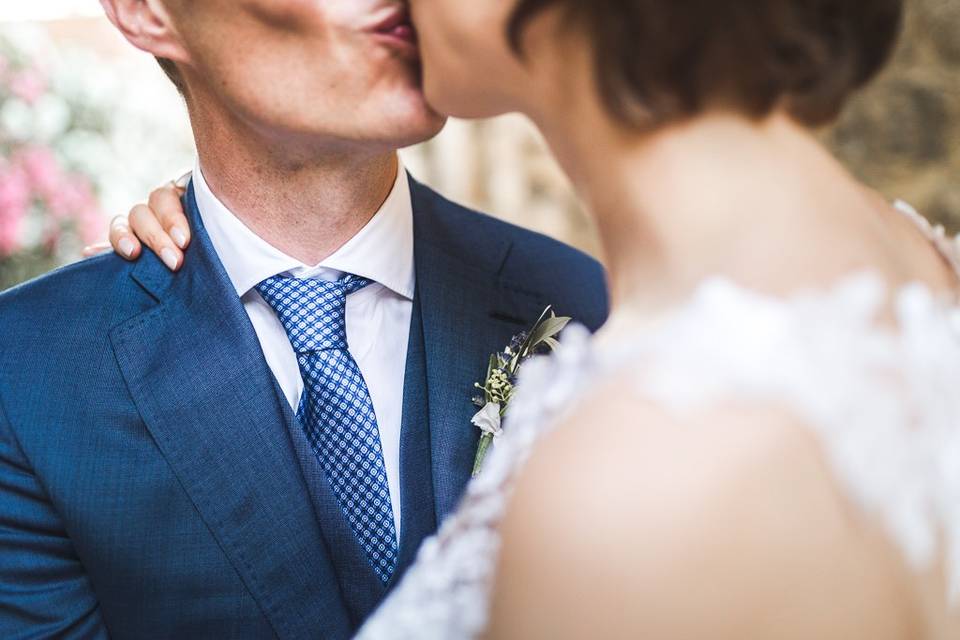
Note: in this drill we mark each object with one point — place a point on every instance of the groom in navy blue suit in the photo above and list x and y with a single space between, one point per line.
156 480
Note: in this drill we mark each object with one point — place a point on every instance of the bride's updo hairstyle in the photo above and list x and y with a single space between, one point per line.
660 61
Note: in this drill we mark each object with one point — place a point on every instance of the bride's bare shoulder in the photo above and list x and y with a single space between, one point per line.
633 522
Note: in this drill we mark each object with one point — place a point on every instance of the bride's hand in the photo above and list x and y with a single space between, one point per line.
160 224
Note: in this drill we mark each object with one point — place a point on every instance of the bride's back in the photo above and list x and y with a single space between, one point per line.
750 467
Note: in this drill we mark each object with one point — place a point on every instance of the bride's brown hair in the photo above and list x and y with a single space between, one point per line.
659 61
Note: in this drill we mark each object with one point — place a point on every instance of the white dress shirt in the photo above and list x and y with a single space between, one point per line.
378 316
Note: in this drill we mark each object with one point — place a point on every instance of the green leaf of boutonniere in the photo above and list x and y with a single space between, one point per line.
549 328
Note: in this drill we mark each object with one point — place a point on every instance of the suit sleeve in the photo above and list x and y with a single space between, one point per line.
44 590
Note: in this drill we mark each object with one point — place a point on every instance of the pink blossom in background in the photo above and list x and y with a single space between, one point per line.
29 85
67 200
85 209
71 196
14 200
91 224
75 201
42 167
37 191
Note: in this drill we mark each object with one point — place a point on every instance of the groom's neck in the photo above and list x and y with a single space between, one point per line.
305 197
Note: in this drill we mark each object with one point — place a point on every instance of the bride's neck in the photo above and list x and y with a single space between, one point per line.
716 195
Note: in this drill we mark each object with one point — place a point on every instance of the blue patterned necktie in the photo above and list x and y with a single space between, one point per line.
336 410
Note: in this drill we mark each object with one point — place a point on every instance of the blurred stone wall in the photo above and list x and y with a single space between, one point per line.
902 135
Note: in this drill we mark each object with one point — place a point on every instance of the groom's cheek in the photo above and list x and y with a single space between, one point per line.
288 15
312 15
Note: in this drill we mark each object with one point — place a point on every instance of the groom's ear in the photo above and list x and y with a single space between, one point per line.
147 25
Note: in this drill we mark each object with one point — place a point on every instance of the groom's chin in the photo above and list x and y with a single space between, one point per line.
400 120
409 110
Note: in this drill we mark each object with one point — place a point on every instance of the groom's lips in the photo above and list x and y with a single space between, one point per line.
395 28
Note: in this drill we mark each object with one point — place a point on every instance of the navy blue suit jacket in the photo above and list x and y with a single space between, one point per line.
153 481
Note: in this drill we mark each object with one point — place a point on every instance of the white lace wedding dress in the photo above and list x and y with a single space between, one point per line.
883 402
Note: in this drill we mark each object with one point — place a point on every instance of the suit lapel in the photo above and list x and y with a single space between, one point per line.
467 314
196 372
419 518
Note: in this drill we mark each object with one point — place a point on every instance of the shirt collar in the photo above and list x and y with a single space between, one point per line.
382 251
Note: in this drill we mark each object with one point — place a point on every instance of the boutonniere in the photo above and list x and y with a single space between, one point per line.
500 383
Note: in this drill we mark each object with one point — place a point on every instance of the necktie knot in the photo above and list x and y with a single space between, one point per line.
312 312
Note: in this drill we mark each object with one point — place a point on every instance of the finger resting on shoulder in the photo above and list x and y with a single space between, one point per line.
122 239
96 249
166 205
148 229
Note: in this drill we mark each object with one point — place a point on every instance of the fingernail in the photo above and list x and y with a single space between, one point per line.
127 247
169 258
179 237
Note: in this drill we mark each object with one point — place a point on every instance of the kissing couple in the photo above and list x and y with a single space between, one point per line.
261 428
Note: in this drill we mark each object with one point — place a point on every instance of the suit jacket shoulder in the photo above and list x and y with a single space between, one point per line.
570 280
131 399
94 292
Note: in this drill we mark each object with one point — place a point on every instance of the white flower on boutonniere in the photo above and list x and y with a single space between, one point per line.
501 379
488 420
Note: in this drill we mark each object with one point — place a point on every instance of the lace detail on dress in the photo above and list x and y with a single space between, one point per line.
882 401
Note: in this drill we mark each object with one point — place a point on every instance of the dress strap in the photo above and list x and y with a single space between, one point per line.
948 249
